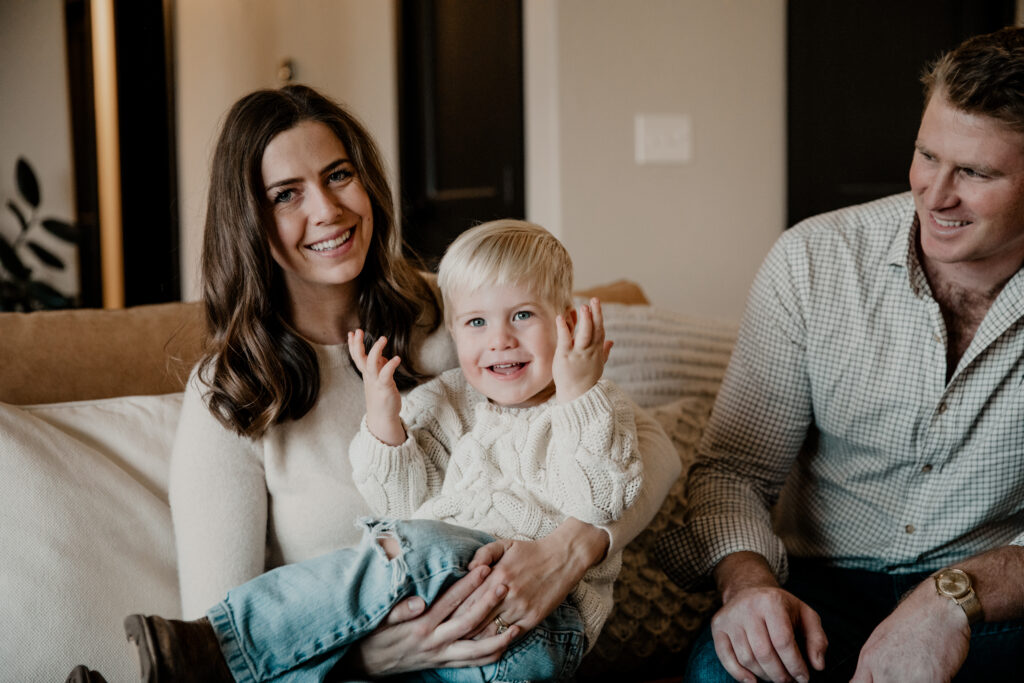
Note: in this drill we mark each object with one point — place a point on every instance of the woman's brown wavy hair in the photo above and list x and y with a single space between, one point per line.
258 369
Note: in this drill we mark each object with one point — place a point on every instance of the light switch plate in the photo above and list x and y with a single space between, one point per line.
663 138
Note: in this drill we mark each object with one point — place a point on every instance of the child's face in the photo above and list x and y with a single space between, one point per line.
506 339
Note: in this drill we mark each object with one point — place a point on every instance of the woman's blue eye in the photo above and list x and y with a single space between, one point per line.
522 315
283 196
476 322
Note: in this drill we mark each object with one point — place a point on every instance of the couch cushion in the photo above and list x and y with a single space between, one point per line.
86 354
85 532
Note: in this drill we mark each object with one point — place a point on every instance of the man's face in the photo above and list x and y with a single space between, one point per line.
967 178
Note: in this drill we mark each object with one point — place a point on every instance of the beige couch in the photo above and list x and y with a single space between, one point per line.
88 406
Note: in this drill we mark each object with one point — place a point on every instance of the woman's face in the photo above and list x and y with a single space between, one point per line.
323 218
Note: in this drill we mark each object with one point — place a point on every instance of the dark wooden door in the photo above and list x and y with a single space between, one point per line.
853 93
460 118
149 198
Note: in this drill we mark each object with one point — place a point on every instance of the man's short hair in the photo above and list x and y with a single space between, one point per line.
507 252
983 75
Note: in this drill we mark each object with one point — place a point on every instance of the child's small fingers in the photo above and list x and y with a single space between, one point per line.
387 373
598 315
584 328
564 335
356 351
373 358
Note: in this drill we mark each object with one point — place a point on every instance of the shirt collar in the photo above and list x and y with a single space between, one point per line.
903 251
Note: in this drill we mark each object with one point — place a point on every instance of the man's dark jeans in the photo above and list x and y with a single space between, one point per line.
851 603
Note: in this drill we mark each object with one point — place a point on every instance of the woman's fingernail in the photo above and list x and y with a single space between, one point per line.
501 590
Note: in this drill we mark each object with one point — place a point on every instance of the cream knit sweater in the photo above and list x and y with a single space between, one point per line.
242 506
512 472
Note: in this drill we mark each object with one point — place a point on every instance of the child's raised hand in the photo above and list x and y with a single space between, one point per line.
580 355
383 402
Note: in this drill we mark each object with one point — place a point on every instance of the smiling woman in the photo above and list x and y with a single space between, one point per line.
323 222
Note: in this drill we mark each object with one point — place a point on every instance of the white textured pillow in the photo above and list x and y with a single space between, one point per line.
661 356
85 532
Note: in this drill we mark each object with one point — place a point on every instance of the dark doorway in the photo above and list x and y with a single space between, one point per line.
460 118
854 95
149 203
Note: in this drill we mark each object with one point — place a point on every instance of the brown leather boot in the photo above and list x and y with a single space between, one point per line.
172 650
83 674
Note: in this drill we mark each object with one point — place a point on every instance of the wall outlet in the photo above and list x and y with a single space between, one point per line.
663 138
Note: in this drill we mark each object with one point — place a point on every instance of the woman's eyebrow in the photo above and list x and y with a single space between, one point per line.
328 167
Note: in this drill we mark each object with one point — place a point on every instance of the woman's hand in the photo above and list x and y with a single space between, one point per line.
383 402
539 574
411 639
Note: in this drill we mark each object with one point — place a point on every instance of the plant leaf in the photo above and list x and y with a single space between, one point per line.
47 295
61 229
17 212
45 255
10 261
28 186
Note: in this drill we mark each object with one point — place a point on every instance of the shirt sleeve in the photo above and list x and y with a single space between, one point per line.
396 480
218 499
760 421
593 466
660 465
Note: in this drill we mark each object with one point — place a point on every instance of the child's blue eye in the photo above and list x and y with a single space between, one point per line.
476 322
521 315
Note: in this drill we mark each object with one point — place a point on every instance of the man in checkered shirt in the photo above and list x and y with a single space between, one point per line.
869 435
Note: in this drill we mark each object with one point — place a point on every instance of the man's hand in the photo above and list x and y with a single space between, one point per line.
383 402
579 358
924 640
756 632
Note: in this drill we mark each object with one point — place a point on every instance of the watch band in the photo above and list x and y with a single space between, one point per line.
971 606
956 585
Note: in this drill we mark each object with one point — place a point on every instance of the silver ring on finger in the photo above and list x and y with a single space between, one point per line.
501 624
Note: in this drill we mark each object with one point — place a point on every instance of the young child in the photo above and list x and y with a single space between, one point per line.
522 435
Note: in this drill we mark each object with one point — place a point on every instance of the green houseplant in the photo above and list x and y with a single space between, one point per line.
20 290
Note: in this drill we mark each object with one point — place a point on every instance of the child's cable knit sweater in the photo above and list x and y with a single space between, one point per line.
512 472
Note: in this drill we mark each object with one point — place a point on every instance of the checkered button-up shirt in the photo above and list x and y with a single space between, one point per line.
836 434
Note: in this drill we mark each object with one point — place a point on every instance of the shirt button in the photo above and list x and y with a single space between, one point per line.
937 338
909 528
942 408
926 469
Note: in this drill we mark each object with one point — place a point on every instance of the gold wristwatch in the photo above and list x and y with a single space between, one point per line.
955 584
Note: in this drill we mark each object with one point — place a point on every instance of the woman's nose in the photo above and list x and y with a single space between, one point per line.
325 207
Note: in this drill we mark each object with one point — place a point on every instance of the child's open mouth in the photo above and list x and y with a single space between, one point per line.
506 368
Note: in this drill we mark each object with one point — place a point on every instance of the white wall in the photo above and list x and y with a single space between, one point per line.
36 124
224 49
692 235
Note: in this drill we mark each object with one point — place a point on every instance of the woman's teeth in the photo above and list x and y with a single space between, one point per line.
327 245
950 224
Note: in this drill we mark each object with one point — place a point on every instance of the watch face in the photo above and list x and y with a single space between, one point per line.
953 583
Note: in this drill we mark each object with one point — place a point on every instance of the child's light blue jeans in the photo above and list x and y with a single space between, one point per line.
296 622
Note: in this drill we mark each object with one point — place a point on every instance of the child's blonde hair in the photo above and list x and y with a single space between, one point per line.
507 252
